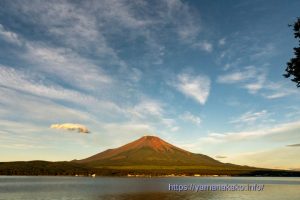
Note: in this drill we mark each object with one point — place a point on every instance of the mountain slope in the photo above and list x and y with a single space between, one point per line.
149 150
148 155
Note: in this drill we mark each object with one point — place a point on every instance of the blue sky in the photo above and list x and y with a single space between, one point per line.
205 76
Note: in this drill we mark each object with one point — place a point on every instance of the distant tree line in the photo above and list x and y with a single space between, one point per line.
35 168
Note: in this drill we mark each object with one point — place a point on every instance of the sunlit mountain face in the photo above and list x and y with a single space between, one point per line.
149 151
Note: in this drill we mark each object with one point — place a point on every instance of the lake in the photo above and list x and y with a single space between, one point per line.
134 188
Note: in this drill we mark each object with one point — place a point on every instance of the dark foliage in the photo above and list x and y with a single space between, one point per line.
38 168
293 66
42 168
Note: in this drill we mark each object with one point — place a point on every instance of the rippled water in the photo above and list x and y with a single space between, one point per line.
87 188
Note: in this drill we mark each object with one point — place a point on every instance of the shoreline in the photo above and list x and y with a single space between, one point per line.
150 176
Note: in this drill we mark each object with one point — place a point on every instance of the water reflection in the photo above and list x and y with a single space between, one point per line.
108 188
160 196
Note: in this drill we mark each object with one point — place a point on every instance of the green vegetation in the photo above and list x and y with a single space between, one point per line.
71 169
42 168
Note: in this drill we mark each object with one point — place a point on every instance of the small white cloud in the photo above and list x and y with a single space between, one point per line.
195 87
175 128
71 127
220 157
205 46
147 108
191 118
222 41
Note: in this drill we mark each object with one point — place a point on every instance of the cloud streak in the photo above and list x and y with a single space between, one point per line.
275 133
251 117
293 145
221 157
9 36
71 127
249 78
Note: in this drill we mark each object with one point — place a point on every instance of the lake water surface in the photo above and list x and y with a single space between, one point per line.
87 188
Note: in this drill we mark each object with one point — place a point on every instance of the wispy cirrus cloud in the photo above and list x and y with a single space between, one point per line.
287 130
255 80
234 77
9 36
66 22
187 22
191 118
34 109
85 29
250 78
88 25
204 45
250 142
33 89
251 117
50 60
154 112
47 59
195 87
244 49
274 90
75 37
257 85
147 107
33 84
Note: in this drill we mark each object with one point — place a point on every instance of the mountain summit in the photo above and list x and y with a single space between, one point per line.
149 150
151 142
